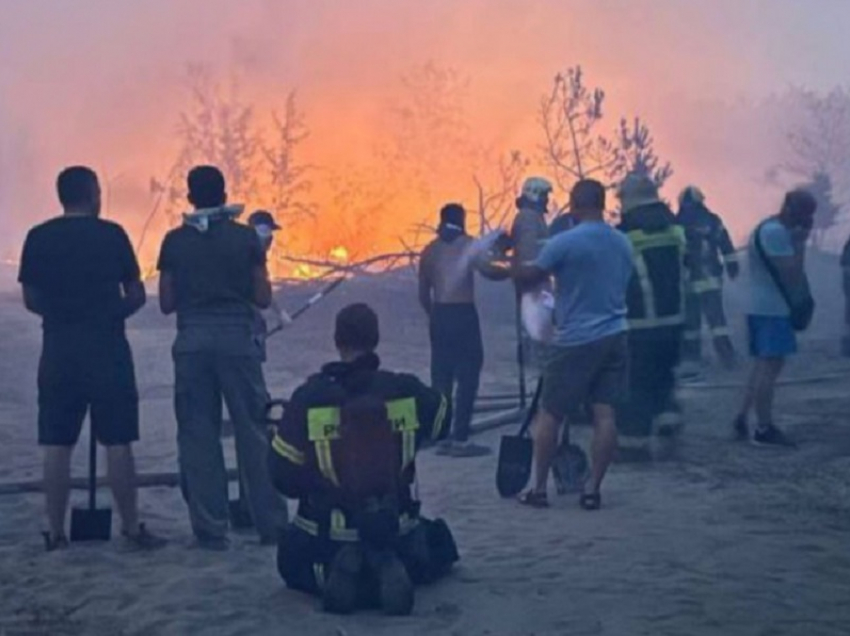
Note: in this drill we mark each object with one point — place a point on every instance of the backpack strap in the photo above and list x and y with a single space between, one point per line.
770 267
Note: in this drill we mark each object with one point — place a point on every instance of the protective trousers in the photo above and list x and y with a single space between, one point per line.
203 377
708 303
457 356
653 357
845 341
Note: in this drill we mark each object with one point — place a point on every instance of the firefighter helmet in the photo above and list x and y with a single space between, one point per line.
536 189
692 194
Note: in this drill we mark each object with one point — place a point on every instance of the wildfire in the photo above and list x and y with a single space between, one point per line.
339 253
305 272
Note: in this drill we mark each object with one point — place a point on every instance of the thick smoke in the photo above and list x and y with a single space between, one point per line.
100 81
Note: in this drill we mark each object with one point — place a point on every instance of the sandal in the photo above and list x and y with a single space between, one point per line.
590 501
534 499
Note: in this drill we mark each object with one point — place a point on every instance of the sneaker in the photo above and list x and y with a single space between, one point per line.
468 449
771 436
143 539
53 543
341 588
742 431
395 588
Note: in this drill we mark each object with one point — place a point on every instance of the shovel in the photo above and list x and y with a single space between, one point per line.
91 524
515 454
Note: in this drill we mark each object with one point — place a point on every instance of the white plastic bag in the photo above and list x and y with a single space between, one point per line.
537 312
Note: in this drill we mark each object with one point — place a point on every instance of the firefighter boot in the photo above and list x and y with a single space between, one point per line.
342 586
395 589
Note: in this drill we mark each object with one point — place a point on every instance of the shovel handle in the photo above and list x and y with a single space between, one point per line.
520 353
92 468
532 410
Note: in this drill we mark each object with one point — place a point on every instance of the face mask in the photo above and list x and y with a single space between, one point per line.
266 234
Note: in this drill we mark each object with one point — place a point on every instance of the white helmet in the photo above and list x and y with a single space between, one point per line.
536 189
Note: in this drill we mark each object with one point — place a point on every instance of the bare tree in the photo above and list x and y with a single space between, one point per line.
289 179
496 197
576 147
818 152
634 151
819 141
827 212
431 147
260 161
571 116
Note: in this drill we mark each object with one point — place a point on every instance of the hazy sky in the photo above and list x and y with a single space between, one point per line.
98 80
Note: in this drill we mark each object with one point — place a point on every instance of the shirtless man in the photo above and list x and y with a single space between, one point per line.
447 294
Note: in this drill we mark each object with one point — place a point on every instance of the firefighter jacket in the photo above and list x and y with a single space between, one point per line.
709 247
656 293
311 459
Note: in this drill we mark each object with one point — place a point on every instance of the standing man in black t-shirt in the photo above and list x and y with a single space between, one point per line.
79 273
213 275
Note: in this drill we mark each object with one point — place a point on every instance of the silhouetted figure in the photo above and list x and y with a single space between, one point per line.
346 449
780 303
447 294
656 304
587 360
79 273
710 253
213 275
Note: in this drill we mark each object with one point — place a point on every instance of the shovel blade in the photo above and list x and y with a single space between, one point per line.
514 469
91 524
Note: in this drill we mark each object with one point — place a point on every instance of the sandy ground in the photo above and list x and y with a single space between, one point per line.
718 539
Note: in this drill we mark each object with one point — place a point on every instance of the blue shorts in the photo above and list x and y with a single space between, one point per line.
771 336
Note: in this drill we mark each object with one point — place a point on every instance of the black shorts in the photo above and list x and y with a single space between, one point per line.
91 374
594 373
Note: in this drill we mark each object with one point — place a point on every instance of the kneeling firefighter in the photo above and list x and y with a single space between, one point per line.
345 448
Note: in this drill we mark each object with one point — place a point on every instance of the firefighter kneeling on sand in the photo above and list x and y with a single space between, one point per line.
345 449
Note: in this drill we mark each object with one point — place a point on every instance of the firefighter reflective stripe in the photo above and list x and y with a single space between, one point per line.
322 428
326 462
731 257
339 530
440 419
710 283
402 416
310 527
319 574
648 323
674 237
645 286
720 332
287 451
408 448
642 242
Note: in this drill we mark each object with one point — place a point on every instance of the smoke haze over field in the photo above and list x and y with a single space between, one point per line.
102 82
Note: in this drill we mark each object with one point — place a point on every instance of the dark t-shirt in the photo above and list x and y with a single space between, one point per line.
78 265
213 271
